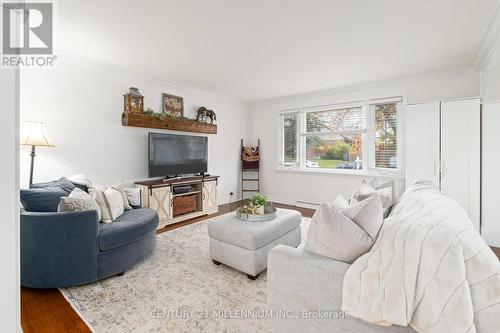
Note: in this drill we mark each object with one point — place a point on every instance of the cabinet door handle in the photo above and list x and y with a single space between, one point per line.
203 196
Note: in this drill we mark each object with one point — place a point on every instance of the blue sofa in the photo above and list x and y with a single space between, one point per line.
62 249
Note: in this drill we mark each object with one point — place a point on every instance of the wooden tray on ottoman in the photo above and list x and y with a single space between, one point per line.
184 204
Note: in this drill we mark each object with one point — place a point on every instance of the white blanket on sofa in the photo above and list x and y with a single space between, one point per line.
429 268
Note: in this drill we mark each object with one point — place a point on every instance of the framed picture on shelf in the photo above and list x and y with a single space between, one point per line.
173 105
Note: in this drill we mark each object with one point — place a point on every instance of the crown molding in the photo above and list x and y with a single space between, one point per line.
69 56
489 43
450 72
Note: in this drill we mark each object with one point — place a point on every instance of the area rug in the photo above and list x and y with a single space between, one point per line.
176 289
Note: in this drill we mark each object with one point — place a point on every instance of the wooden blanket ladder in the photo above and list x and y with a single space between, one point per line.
250 175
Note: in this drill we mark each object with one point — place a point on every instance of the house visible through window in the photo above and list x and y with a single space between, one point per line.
344 137
333 138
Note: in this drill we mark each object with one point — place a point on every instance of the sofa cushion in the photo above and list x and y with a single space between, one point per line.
131 226
42 199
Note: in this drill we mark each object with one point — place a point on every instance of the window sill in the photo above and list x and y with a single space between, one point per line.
359 173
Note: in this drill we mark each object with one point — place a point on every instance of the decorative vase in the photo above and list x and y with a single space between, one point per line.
260 210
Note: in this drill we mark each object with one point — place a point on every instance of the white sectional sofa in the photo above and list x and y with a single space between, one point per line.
300 281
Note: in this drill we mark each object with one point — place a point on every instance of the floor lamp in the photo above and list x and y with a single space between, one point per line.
33 134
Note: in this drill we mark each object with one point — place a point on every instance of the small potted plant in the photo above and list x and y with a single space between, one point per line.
258 201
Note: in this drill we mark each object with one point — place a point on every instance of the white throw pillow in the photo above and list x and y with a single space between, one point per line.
109 200
334 235
340 203
368 214
378 183
133 196
365 189
382 189
119 187
80 179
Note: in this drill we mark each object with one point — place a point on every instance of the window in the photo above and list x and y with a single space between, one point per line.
333 138
386 135
334 152
356 137
289 139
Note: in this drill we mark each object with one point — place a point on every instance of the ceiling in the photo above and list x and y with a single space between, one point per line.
260 49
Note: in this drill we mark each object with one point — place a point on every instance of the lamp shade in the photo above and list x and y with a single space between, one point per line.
33 134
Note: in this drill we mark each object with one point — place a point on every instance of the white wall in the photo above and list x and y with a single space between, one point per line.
9 197
81 103
291 187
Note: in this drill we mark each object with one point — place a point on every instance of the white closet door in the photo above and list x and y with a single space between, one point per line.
422 143
490 226
461 154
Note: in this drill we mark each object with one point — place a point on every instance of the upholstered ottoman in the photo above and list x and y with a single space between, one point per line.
245 245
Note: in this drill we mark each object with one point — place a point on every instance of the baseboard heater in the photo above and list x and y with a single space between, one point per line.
307 204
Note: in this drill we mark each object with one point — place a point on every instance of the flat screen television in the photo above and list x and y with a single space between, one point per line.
172 155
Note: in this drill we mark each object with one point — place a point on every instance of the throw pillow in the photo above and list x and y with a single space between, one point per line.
69 204
80 181
334 235
65 184
42 199
383 190
62 183
43 185
82 195
368 214
340 203
378 183
365 189
119 187
109 200
133 196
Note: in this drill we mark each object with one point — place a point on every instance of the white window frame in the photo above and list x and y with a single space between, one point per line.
367 138
281 141
371 137
303 135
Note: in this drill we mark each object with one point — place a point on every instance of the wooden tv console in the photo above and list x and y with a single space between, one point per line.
159 194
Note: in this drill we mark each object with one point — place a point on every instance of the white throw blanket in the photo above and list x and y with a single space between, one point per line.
429 268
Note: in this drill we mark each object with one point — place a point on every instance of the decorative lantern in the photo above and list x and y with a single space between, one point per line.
133 101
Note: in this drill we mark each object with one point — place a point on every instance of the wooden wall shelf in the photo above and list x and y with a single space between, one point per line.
173 124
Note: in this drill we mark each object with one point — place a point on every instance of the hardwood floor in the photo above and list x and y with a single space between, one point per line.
496 250
48 311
